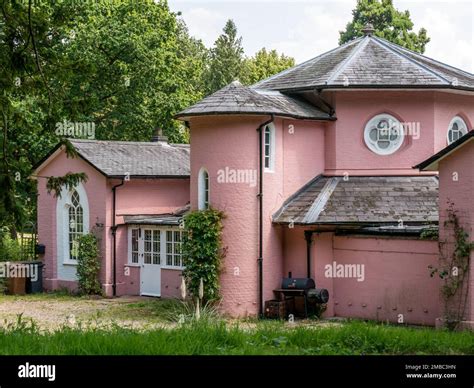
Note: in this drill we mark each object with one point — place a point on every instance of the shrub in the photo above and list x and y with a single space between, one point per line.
10 249
88 265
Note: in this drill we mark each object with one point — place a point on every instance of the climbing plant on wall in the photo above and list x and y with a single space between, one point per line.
203 251
455 251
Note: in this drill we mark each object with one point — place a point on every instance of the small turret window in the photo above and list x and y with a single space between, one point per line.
457 129
203 189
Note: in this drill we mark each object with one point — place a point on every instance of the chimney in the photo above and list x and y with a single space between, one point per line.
158 136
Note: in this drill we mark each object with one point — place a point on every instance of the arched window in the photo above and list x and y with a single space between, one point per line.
457 129
383 134
72 221
203 189
76 224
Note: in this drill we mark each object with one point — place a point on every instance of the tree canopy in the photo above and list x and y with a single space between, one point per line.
389 23
124 68
263 65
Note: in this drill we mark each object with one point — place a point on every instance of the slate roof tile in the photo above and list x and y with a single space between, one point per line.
389 200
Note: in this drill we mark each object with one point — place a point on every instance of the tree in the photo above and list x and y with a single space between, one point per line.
389 23
127 67
226 59
263 65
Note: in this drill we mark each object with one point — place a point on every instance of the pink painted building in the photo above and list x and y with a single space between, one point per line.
314 170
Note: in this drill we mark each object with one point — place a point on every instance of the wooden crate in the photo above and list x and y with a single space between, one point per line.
276 309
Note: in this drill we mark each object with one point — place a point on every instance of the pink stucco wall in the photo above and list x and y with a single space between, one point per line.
232 142
151 196
447 106
96 193
397 280
345 147
456 177
396 275
146 196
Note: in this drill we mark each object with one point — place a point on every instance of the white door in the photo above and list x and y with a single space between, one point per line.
150 273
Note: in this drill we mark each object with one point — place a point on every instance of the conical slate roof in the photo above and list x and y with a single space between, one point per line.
369 62
238 99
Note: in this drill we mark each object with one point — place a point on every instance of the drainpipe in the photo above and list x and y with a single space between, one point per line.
114 232
260 215
308 234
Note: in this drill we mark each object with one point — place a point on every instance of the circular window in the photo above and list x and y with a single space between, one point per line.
383 134
457 129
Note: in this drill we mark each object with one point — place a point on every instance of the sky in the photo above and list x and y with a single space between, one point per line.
304 29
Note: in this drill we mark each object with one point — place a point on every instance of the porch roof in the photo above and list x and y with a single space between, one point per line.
363 200
170 219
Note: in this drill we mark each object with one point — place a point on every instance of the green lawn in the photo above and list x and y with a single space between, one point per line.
223 338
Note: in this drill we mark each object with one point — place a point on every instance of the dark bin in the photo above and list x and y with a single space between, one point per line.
35 286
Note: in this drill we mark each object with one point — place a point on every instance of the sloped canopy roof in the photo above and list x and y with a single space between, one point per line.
238 99
369 62
431 164
363 201
117 159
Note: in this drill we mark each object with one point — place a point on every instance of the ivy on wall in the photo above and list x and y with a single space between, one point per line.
88 265
455 252
203 252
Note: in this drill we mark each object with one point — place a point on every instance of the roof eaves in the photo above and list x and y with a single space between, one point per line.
432 161
262 113
123 176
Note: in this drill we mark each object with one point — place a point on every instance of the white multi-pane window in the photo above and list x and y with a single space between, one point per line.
153 245
76 225
134 244
457 129
269 147
173 248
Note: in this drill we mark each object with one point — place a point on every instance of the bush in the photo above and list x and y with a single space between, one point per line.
10 249
88 265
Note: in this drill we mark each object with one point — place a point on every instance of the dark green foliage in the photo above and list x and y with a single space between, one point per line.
389 23
203 252
88 265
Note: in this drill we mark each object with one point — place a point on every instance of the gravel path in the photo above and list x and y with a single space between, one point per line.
50 313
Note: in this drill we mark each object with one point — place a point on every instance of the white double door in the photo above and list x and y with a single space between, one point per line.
149 248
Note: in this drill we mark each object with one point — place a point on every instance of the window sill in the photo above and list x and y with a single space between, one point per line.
268 170
70 262
173 268
132 265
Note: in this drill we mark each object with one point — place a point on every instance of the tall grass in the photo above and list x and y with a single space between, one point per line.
219 338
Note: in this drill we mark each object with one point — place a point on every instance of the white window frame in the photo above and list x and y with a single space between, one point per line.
373 144
204 194
163 241
270 155
62 220
461 123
